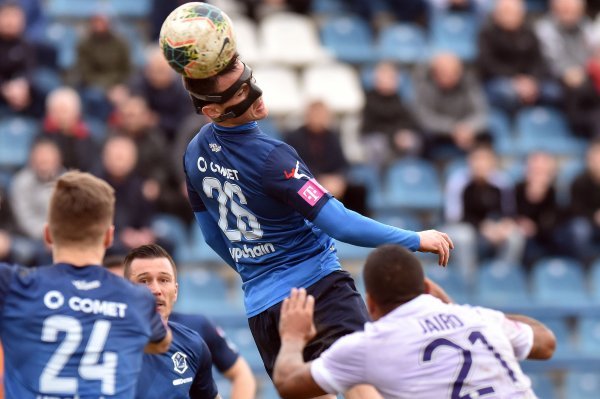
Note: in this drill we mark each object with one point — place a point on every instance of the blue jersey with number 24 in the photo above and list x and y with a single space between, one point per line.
263 198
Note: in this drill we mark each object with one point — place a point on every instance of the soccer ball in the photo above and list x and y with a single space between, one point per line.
197 39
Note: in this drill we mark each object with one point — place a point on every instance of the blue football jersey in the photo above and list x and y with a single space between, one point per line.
263 198
73 332
224 354
184 371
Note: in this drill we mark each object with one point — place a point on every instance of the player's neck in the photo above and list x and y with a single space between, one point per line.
78 257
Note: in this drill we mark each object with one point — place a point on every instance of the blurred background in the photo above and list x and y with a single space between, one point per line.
480 118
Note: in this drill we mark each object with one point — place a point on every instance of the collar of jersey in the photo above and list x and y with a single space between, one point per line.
413 306
240 128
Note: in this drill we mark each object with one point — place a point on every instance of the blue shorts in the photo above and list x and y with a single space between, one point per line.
339 310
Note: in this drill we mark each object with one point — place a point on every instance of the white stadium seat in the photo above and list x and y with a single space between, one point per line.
281 91
246 36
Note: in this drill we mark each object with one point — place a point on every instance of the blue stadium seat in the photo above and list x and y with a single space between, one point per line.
5 179
202 291
500 128
16 137
131 8
543 386
451 281
64 39
242 338
135 40
328 7
501 284
594 276
545 129
582 385
368 177
558 281
349 38
269 127
405 82
403 220
74 8
402 42
172 229
348 251
566 174
46 79
455 32
589 335
413 183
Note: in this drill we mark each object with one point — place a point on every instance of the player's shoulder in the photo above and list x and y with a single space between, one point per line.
186 337
195 322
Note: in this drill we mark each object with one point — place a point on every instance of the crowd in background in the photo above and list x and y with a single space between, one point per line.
129 120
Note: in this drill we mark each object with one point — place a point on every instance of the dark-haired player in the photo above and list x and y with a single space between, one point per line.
185 370
73 329
418 345
262 211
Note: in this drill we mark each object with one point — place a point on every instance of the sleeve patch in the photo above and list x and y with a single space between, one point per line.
312 192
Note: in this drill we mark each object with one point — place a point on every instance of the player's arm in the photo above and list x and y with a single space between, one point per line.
544 341
213 237
243 383
348 226
292 376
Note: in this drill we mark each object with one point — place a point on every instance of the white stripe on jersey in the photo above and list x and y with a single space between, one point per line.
426 349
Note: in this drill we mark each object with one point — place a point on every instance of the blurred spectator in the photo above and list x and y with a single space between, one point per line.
135 120
163 90
585 207
64 125
35 17
416 11
102 56
14 248
16 64
511 61
320 148
482 199
388 127
159 12
133 211
449 105
537 208
567 38
32 187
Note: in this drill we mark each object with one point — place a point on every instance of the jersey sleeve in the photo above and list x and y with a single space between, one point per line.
203 386
288 179
341 366
223 352
6 274
193 196
519 334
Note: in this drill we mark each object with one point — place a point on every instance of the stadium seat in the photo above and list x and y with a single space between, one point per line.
202 291
351 252
328 7
368 177
545 129
291 39
589 336
349 39
558 281
500 284
566 174
414 184
5 179
402 42
594 276
280 89
242 338
338 85
170 228
405 82
46 79
455 32
403 220
582 385
451 281
543 386
64 39
268 127
16 137
57 9
246 36
131 8
500 128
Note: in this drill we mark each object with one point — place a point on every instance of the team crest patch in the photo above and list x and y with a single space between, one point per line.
312 192
179 362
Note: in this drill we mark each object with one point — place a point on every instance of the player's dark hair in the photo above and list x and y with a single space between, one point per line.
112 261
393 276
81 210
149 251
209 85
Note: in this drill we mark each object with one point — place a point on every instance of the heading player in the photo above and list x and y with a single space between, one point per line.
73 329
185 370
262 211
416 343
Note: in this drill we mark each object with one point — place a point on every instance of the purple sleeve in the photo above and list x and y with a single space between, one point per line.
288 179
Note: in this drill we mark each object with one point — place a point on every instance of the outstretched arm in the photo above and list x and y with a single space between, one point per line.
243 384
213 237
348 226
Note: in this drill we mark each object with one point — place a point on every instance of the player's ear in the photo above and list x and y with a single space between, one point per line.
47 235
213 111
109 237
176 290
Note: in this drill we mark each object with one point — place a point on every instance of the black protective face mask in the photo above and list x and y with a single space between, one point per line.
254 92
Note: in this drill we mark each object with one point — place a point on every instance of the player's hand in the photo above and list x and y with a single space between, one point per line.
296 321
438 243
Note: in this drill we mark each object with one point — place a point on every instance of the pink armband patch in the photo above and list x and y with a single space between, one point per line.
312 192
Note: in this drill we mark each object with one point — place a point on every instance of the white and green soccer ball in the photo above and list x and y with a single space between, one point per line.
197 39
